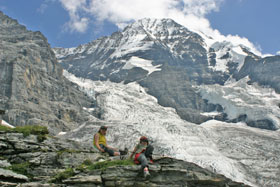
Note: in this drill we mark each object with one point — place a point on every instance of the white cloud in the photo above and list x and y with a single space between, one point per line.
190 13
278 53
75 9
77 23
121 12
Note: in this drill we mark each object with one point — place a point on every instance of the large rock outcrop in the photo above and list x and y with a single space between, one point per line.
264 71
33 89
25 161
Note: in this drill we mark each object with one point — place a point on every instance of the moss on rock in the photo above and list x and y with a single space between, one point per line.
26 130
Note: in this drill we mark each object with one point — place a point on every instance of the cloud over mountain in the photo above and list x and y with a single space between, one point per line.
190 13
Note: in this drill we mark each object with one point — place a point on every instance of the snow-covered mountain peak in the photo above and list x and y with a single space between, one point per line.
155 25
226 52
158 28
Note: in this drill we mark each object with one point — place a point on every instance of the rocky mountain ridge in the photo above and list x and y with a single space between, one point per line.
169 60
33 88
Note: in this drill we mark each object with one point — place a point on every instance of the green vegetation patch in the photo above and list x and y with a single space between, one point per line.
106 164
88 165
26 130
22 168
32 129
3 128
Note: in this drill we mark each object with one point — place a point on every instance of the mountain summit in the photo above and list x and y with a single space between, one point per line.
172 62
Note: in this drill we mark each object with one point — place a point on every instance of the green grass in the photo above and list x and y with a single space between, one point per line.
21 169
3 128
105 164
26 130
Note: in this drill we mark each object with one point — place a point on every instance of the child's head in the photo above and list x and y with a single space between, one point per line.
103 130
144 140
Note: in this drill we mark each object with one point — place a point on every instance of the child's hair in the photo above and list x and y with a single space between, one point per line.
102 128
144 139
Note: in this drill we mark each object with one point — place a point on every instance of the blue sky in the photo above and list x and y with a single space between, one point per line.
68 23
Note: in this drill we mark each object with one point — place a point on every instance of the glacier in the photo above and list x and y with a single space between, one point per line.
242 153
239 98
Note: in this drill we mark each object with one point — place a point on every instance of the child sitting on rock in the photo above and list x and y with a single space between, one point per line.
142 153
100 143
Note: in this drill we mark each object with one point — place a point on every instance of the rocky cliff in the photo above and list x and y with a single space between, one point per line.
33 89
27 161
262 70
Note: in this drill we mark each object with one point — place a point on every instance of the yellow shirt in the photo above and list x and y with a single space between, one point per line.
101 140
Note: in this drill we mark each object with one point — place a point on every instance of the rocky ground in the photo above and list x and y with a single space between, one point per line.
36 160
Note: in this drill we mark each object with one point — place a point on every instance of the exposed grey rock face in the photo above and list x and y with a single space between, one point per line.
33 89
264 71
180 59
44 160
